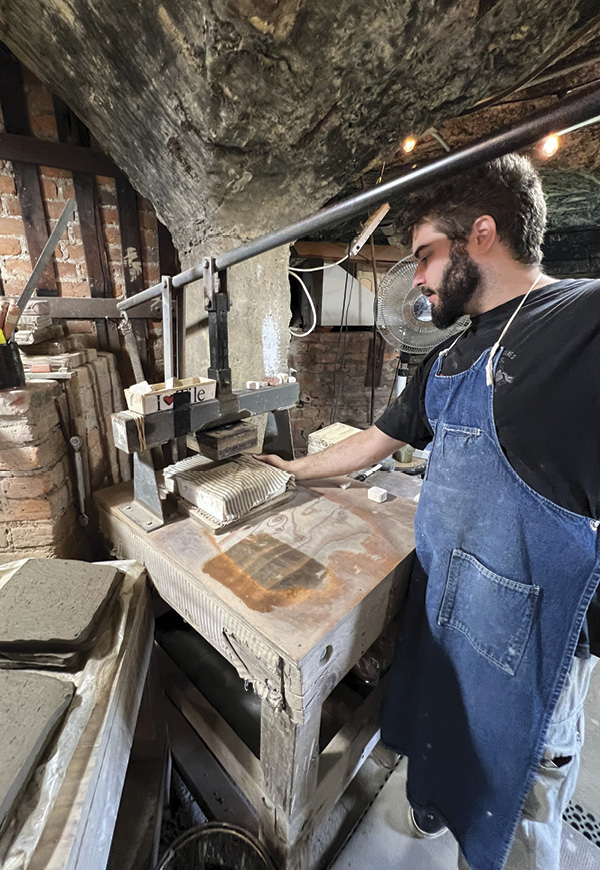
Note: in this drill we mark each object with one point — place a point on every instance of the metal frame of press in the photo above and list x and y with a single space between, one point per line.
572 112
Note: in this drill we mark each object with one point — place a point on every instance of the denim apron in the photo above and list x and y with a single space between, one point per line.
489 642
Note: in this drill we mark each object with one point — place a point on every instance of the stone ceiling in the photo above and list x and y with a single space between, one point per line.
237 116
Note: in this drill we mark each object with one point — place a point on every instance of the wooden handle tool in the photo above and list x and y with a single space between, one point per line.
11 318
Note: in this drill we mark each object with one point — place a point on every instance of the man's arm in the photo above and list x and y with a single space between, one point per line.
358 451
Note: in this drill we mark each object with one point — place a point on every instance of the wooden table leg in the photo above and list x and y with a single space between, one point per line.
289 757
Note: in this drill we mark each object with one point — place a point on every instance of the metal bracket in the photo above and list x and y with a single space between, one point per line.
76 443
217 305
146 508
167 325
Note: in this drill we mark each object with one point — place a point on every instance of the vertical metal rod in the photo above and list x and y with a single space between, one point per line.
179 333
167 325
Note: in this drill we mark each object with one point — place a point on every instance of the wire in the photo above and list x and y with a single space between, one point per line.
319 268
312 306
394 379
337 387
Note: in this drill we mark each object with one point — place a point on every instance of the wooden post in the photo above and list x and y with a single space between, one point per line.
74 132
289 757
131 246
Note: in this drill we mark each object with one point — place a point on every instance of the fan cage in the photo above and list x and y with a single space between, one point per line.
394 311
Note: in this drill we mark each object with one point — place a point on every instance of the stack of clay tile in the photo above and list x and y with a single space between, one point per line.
226 491
51 611
31 708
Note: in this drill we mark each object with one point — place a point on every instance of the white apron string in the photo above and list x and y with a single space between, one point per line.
489 369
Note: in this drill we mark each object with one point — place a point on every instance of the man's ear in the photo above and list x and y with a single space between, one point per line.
483 234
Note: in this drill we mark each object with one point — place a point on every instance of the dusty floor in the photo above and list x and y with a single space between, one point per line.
383 840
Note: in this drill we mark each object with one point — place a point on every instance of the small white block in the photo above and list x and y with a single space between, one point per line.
345 484
253 385
377 493
142 388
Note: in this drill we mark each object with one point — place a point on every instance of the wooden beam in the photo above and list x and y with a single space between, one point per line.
385 254
28 149
16 120
168 258
70 130
131 246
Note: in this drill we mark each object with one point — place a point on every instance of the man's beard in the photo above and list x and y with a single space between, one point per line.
462 276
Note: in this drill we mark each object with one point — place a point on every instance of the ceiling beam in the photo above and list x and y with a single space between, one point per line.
76 158
333 251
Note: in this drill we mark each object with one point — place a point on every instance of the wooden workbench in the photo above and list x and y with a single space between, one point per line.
292 600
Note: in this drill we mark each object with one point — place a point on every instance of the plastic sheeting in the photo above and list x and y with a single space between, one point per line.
94 684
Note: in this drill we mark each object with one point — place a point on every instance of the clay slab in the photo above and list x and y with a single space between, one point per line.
54 603
31 706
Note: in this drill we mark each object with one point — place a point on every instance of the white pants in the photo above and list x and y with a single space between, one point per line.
536 845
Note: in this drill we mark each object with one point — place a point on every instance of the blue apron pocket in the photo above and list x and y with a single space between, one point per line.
494 613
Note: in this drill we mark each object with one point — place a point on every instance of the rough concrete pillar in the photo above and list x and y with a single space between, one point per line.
258 321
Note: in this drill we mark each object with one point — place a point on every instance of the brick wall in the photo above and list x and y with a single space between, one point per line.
57 186
38 514
315 357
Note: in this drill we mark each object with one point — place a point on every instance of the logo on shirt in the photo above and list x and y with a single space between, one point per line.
502 378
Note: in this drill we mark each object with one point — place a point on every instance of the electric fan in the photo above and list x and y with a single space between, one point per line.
403 313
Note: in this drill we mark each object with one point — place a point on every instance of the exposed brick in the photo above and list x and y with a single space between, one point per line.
37 456
76 252
49 188
18 267
110 214
149 238
54 211
112 235
7 184
9 247
53 172
11 205
26 486
44 127
148 220
33 428
46 507
11 226
67 270
67 189
44 533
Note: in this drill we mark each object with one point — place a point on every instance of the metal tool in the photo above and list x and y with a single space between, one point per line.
363 476
76 443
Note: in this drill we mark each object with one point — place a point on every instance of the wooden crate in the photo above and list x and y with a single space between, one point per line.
162 397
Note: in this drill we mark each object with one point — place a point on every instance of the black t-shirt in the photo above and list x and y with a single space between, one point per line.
546 398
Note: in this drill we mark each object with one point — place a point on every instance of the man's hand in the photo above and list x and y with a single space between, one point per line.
273 459
358 451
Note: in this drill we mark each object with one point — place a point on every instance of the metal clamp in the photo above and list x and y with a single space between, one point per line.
76 443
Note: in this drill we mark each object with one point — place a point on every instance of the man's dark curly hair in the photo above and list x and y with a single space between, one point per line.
508 188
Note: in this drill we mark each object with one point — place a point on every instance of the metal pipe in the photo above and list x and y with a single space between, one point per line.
567 113
571 111
142 296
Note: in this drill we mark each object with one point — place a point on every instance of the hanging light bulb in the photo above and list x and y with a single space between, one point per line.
408 144
550 146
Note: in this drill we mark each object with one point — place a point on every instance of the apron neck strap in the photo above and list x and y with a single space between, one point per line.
489 369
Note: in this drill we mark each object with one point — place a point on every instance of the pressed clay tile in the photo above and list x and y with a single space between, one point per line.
53 605
31 706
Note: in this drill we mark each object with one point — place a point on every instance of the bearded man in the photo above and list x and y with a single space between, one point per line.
501 626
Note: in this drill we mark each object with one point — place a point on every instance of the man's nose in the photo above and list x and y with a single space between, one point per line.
419 277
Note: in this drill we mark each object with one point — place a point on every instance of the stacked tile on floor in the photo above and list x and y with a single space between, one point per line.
50 612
